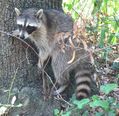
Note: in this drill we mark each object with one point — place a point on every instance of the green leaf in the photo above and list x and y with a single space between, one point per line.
116 106
99 114
101 103
97 6
73 98
86 113
95 97
75 15
115 65
110 38
69 1
117 75
56 112
69 6
111 100
108 88
68 113
117 35
112 113
82 103
102 37
114 40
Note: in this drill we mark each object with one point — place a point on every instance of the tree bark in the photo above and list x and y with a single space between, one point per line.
19 75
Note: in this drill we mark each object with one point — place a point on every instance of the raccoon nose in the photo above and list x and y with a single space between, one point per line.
22 36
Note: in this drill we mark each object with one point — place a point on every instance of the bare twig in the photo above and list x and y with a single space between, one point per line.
27 55
20 40
11 85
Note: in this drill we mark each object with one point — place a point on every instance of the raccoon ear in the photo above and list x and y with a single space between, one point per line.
17 11
39 14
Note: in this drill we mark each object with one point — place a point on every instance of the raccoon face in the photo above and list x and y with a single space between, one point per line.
28 22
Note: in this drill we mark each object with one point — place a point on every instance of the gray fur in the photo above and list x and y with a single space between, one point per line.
48 25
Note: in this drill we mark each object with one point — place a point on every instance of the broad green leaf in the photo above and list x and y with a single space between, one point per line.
112 113
111 100
108 88
117 35
114 40
115 65
68 113
73 98
117 75
97 6
116 106
104 7
69 1
95 97
110 38
99 114
82 103
101 103
56 112
75 15
86 113
69 6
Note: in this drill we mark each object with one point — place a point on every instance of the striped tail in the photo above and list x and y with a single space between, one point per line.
83 84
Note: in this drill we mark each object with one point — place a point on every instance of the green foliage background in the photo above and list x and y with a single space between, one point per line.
105 13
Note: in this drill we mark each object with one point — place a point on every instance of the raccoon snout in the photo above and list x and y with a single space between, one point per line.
22 36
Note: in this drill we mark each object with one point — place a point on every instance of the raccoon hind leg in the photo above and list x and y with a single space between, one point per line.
63 82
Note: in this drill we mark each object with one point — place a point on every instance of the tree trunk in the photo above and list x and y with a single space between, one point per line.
19 75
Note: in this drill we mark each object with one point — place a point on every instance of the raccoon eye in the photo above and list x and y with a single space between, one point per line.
30 29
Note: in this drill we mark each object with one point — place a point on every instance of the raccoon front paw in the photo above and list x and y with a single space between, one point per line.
39 65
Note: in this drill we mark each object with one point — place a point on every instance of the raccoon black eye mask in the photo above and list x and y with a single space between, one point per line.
30 29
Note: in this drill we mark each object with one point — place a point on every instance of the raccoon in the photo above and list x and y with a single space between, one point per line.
83 69
41 26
